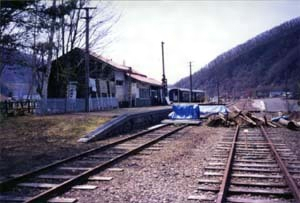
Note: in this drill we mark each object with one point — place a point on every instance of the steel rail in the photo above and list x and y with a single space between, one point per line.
6 185
61 188
290 181
226 177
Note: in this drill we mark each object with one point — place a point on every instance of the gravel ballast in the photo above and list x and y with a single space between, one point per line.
167 175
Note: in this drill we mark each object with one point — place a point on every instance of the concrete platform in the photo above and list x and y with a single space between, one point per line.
127 119
181 121
119 111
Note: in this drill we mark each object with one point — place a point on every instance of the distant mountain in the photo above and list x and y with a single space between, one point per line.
16 76
267 62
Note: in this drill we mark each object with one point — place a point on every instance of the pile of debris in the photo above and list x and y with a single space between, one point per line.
242 118
287 121
220 115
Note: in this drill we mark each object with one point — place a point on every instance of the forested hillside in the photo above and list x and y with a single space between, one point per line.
269 61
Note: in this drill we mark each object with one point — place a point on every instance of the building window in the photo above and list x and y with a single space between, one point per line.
119 82
144 93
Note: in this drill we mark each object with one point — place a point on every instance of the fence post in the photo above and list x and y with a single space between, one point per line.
28 106
5 107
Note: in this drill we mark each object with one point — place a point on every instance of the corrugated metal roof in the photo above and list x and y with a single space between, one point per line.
145 79
116 65
129 70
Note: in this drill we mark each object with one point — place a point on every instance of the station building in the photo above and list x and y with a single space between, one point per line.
106 79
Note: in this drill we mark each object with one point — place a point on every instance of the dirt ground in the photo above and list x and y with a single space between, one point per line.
31 141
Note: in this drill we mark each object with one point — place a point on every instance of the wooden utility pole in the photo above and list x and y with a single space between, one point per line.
164 80
191 83
218 91
86 58
286 92
130 87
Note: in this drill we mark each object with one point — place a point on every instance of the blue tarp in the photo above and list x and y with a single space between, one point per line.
279 117
194 111
212 109
184 111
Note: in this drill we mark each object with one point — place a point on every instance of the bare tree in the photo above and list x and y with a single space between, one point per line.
52 28
103 19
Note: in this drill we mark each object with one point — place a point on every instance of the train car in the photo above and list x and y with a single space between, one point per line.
183 95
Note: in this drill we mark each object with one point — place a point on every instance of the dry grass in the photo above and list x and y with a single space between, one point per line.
37 140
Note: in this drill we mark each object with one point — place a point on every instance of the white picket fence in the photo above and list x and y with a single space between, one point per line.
57 105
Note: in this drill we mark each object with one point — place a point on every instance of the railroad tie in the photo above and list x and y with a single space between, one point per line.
50 185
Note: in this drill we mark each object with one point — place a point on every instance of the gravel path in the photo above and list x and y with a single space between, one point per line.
167 175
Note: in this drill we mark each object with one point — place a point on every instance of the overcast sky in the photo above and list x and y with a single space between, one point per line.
196 31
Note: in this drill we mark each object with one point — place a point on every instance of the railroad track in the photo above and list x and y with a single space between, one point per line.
252 166
51 181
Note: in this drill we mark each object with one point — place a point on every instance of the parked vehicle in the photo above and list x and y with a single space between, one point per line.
183 95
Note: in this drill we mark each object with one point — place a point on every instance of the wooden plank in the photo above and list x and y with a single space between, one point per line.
255 161
216 164
144 153
260 191
213 159
11 198
101 156
201 197
296 176
214 168
257 183
214 181
255 165
213 173
245 175
292 161
220 155
267 170
56 177
223 148
85 187
15 175
293 167
82 162
38 185
294 171
249 200
154 148
252 157
252 153
209 188
100 178
253 150
283 150
115 169
62 200
74 168
124 148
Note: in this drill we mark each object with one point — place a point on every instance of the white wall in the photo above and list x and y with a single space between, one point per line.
120 90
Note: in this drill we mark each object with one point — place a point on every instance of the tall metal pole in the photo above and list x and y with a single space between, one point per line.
164 80
191 83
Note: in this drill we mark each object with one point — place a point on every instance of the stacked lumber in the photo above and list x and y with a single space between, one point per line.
238 117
